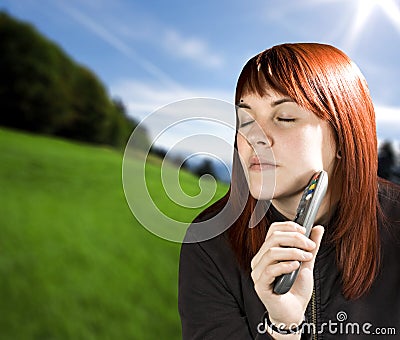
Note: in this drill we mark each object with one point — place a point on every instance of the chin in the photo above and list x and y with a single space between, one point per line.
262 192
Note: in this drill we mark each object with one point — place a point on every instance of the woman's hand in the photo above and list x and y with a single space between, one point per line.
284 246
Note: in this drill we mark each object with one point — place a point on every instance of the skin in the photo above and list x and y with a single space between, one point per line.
281 145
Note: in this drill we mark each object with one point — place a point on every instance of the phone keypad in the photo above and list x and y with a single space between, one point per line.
307 194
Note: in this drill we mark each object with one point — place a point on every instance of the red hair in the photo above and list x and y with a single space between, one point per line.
322 79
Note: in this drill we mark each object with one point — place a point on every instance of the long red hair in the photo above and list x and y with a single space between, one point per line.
322 79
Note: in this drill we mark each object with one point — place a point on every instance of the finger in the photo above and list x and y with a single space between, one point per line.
292 240
275 229
268 276
316 235
256 259
285 226
279 254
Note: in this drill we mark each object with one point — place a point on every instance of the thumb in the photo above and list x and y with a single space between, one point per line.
316 235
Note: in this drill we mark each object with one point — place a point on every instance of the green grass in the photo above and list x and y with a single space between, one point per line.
74 262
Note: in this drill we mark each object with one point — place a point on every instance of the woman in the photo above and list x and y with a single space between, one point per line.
301 108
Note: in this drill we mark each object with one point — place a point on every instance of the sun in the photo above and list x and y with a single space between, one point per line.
364 9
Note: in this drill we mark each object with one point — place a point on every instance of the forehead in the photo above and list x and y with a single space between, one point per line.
255 81
269 94
270 98
258 85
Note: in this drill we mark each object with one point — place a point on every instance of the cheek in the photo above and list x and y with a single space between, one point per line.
243 150
243 146
300 145
319 149
329 152
308 148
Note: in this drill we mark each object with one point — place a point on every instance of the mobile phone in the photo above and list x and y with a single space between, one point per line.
305 216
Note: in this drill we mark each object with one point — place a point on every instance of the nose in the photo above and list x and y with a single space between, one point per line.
257 136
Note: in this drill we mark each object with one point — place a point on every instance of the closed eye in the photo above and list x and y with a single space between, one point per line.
246 123
287 120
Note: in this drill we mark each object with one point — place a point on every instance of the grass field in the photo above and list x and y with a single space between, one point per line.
74 262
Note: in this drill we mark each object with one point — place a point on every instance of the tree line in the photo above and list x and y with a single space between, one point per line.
389 162
43 90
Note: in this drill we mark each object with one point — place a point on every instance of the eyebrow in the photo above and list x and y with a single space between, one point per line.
281 101
244 106
273 104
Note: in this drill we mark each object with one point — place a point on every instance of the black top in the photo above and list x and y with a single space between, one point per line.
217 299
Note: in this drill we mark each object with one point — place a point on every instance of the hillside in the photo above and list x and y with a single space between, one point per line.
43 90
74 262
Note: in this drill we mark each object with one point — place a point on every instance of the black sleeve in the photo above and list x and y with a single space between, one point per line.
207 307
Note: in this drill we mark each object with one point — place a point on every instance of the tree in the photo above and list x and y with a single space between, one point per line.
386 160
43 90
206 167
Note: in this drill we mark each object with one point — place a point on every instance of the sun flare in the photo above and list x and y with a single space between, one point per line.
365 8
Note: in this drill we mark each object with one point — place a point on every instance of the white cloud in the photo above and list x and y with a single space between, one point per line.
388 122
124 31
106 34
187 121
388 113
144 98
191 48
176 124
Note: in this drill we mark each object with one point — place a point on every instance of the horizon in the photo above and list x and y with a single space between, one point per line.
152 54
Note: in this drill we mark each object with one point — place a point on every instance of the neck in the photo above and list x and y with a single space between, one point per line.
288 207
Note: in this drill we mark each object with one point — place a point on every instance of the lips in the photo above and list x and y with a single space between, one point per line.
261 164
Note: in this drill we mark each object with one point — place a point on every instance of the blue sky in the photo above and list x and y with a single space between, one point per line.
151 53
